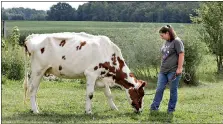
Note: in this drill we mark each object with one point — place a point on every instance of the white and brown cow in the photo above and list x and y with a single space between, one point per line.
78 55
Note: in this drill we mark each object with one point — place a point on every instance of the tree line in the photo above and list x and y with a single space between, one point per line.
23 14
178 12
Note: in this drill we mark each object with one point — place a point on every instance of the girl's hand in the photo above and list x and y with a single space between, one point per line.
179 71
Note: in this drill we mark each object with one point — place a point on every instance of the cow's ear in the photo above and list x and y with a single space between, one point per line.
143 84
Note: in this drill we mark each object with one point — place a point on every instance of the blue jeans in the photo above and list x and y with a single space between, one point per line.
163 79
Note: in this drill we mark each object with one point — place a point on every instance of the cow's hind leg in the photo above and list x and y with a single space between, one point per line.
107 93
90 91
33 86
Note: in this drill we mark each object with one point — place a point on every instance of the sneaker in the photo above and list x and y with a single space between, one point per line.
151 109
154 111
170 112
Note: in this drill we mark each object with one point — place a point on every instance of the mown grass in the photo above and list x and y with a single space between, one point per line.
64 102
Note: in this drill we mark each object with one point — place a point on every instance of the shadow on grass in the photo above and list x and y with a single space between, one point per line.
53 117
157 116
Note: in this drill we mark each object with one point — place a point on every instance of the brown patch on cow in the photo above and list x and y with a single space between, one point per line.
77 47
82 44
62 43
133 76
117 74
109 75
42 50
121 63
95 68
100 65
63 57
120 75
112 69
60 67
102 72
136 94
107 66
124 83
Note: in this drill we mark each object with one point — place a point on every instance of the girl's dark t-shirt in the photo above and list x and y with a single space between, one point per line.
170 51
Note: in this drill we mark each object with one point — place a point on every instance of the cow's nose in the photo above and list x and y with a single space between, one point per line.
138 111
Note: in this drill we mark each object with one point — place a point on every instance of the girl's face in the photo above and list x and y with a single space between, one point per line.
165 36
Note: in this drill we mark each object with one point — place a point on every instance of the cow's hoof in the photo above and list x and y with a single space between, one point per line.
34 112
31 111
88 112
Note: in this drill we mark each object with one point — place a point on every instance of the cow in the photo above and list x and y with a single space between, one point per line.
73 55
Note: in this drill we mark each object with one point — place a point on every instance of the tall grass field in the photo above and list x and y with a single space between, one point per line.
64 101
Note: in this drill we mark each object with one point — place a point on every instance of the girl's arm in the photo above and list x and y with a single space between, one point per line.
180 63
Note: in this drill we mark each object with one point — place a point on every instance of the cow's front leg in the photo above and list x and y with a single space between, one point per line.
107 93
89 95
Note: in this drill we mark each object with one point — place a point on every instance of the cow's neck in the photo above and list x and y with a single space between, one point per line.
119 71
125 84
123 78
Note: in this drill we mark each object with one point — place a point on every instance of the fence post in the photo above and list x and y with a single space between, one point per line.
4 28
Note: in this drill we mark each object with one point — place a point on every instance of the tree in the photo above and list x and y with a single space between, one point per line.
17 17
210 17
38 17
61 12
4 16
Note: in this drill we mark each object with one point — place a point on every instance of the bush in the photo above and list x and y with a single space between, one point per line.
12 57
3 43
194 51
22 39
12 64
16 70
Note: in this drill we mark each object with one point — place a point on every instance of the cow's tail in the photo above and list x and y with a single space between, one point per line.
25 83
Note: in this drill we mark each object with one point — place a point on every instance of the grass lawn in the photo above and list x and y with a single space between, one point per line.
64 102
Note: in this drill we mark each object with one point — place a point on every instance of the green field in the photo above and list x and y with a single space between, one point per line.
64 101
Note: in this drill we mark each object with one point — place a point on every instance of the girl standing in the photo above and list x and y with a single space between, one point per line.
171 68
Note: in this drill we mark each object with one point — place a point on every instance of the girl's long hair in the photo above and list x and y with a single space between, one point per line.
168 28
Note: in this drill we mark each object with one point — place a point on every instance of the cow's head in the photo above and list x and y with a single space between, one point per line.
136 95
